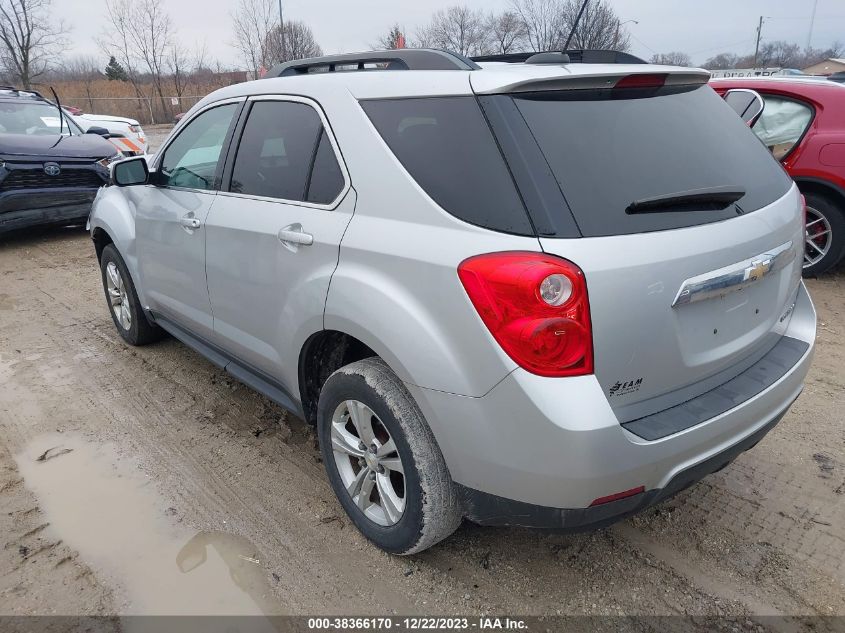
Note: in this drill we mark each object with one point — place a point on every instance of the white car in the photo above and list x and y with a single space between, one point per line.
131 140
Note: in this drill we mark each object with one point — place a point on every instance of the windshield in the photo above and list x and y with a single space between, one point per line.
34 117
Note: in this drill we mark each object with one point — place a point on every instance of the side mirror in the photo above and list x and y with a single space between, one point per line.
98 130
132 171
748 104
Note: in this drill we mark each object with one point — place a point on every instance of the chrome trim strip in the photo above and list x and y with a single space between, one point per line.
733 278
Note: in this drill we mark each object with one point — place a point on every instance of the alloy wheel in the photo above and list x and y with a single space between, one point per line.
368 462
117 296
818 237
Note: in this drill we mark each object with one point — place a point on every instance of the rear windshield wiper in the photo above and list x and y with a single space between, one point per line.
708 198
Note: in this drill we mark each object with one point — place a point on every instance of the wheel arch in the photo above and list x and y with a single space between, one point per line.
322 354
822 187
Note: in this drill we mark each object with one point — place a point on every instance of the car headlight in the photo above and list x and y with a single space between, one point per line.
106 162
135 129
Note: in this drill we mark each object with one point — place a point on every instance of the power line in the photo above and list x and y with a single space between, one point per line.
643 43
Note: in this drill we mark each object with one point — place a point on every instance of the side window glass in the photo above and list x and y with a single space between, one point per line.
191 159
782 124
276 150
326 178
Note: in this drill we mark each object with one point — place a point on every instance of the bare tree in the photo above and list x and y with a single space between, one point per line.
458 29
506 32
29 37
722 61
542 21
299 43
394 38
599 28
140 35
673 58
83 70
254 21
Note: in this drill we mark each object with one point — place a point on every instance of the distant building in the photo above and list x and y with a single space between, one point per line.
827 67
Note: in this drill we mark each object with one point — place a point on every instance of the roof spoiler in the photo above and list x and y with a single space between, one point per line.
576 56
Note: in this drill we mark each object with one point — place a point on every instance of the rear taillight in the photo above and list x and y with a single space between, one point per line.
644 80
536 307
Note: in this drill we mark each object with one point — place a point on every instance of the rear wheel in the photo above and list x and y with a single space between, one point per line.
824 239
382 460
125 308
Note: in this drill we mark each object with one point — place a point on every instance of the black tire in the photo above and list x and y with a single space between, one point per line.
140 330
432 509
834 213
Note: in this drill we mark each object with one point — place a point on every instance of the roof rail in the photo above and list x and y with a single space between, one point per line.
34 93
575 57
399 59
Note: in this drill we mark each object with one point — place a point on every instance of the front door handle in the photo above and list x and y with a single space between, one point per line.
190 222
292 237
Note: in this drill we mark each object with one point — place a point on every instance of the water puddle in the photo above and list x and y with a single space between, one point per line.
109 511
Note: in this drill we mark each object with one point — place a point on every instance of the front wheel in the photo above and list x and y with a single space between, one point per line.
383 461
824 239
123 302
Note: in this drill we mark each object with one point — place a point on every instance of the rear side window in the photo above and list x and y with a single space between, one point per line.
276 150
610 148
782 124
447 147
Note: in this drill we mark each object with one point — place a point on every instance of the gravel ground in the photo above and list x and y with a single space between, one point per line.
200 458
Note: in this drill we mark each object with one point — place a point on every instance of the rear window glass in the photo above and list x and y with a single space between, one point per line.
611 148
447 147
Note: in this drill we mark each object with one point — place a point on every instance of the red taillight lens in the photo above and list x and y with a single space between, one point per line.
645 80
536 307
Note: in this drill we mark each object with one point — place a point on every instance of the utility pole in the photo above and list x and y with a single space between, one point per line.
282 34
812 21
757 48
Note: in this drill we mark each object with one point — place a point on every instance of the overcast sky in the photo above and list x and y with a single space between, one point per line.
698 28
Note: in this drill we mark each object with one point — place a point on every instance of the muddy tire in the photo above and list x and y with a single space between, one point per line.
825 241
383 461
125 308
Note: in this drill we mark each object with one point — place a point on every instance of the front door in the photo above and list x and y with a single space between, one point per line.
170 218
274 234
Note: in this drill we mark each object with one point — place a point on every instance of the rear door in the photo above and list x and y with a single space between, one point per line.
170 219
274 233
687 285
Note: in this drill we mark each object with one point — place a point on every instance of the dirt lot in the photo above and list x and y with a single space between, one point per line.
174 466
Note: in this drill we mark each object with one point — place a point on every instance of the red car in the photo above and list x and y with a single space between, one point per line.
803 124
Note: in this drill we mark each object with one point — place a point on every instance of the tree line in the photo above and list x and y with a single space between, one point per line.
526 25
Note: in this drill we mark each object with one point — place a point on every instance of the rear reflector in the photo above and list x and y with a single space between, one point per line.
646 80
618 495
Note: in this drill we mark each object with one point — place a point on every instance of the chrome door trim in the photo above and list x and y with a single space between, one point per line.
733 278
347 182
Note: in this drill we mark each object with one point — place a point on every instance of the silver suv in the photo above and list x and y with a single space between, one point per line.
546 293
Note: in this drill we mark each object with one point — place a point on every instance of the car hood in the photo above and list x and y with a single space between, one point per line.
44 146
107 117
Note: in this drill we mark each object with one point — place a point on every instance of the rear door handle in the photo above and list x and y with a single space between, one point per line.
292 236
190 222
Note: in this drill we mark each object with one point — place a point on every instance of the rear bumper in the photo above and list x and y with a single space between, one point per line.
538 451
488 509
23 209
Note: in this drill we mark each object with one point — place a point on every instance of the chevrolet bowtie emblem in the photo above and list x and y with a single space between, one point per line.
757 269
